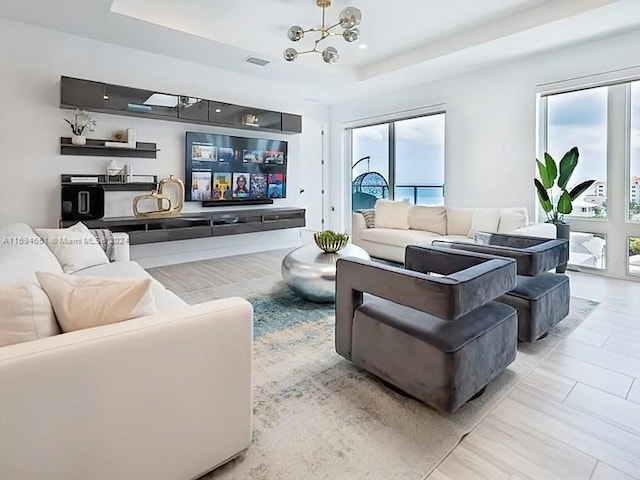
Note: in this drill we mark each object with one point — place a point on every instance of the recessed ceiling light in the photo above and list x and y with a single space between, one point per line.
218 110
362 46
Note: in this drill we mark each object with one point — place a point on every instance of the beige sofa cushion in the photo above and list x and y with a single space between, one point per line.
25 314
391 214
485 220
459 221
86 301
428 218
74 247
512 219
397 237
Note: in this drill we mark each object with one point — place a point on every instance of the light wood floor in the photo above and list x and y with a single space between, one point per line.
577 415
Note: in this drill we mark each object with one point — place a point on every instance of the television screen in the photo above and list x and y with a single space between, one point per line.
222 168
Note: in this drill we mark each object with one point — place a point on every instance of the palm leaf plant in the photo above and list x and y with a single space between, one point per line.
555 197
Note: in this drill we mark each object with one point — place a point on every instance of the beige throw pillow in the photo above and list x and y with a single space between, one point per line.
85 302
485 220
74 247
429 219
512 219
25 314
459 221
391 214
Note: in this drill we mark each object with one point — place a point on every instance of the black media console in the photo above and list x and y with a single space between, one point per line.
200 224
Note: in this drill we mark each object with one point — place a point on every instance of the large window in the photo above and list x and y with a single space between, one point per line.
399 160
634 157
580 119
419 165
604 123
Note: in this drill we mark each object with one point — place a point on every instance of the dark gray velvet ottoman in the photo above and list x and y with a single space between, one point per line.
541 301
441 339
541 298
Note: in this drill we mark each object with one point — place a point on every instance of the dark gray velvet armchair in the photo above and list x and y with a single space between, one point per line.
541 298
440 339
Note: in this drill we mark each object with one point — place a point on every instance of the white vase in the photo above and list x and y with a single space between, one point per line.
78 139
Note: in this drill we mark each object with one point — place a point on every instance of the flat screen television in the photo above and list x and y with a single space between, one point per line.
225 169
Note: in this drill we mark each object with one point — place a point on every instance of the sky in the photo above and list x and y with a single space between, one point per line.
580 119
419 150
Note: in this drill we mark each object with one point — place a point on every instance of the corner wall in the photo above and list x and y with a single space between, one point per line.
33 59
490 124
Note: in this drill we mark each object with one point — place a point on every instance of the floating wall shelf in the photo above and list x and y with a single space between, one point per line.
97 148
112 186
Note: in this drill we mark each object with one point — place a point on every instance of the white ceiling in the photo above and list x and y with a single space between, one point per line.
408 41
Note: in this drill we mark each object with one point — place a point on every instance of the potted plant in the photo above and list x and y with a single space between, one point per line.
330 241
81 121
555 197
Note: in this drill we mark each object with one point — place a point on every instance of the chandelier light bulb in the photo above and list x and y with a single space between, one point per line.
350 17
295 33
352 35
290 54
330 55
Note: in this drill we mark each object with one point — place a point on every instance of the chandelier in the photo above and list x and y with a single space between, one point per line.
349 20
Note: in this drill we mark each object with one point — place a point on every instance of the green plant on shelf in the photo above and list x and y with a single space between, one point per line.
330 241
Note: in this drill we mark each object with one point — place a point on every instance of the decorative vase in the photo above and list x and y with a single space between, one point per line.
330 243
563 232
78 140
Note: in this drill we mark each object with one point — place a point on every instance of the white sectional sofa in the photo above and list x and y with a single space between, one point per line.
162 397
424 224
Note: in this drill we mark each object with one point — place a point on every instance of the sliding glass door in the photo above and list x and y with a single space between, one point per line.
401 160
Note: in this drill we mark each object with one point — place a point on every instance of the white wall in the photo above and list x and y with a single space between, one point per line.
490 125
31 123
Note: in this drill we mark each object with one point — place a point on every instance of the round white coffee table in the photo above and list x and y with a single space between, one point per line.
311 273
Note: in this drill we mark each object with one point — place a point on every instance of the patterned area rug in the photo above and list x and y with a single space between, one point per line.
316 416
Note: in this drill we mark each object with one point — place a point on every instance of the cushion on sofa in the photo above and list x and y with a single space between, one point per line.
485 220
26 314
396 237
22 253
513 218
391 214
428 218
74 247
86 301
459 221
369 215
166 301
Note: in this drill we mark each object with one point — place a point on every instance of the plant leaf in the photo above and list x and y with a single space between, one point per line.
544 175
580 189
543 196
564 203
567 165
552 169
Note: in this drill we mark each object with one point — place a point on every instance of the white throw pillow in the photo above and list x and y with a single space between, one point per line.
391 214
512 219
429 219
485 220
25 314
74 247
85 302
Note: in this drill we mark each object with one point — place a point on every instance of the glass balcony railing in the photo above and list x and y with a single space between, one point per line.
420 194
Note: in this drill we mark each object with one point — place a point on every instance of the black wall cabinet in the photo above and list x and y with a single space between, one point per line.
119 100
